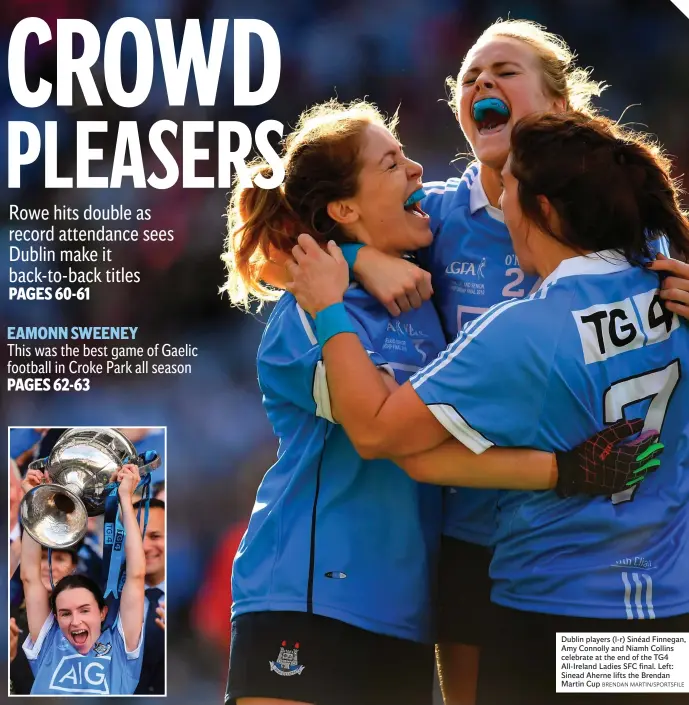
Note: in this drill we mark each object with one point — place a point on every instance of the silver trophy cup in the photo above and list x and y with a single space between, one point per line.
81 466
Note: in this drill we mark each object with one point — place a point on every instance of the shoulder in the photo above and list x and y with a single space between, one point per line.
48 631
442 197
534 321
289 328
362 305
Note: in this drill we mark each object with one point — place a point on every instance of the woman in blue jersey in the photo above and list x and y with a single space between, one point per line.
333 583
67 649
583 201
514 69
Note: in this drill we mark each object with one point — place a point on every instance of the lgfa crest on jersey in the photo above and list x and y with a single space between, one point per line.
287 663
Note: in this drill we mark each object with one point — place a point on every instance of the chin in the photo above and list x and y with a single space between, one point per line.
154 566
492 151
417 240
424 241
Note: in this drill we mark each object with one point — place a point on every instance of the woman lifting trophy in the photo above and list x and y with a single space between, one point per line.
86 633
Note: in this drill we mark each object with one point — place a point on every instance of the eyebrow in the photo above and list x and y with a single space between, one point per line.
390 153
496 65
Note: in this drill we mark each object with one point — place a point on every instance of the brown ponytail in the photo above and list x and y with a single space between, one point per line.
611 187
260 222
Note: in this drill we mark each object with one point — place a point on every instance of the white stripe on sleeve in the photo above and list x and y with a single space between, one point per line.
321 392
136 651
32 650
310 333
461 343
457 425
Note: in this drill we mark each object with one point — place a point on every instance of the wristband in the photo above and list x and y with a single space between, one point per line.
350 251
331 321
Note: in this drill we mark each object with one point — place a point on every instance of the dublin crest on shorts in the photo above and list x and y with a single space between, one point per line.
287 663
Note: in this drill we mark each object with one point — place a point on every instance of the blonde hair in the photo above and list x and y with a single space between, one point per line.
562 78
322 164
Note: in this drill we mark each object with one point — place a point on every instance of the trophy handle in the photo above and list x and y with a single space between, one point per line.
40 464
149 461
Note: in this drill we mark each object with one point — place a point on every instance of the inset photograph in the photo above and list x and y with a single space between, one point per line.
87 561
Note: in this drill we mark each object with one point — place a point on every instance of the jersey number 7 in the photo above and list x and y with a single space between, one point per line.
656 385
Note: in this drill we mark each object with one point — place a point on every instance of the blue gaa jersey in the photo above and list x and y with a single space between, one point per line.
473 266
59 669
351 539
592 346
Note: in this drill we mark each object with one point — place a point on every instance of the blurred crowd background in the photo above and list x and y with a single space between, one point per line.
396 52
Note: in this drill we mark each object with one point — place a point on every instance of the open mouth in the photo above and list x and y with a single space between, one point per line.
490 115
412 204
80 636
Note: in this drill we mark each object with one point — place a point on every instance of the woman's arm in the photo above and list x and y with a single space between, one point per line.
383 420
397 284
379 422
452 463
133 592
35 594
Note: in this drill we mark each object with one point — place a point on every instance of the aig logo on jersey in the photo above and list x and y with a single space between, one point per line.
609 329
74 674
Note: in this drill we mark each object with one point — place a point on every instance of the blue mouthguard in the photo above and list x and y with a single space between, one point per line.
417 196
481 107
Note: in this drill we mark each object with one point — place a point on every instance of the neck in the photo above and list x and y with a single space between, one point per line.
155 579
551 254
490 180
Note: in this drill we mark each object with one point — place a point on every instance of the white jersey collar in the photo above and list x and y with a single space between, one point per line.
603 262
478 200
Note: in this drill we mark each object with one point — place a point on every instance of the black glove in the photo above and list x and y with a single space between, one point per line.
607 463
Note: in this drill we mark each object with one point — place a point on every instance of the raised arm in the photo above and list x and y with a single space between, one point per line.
133 592
35 594
16 495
